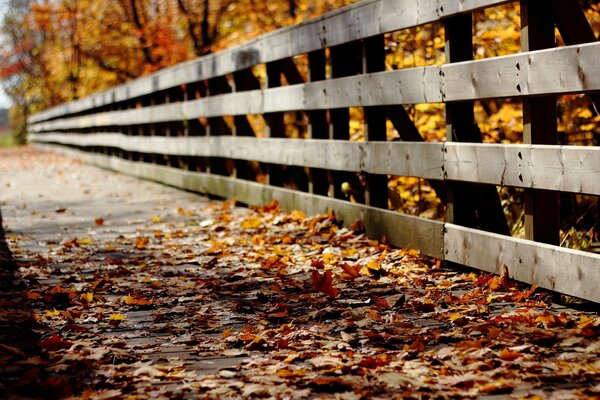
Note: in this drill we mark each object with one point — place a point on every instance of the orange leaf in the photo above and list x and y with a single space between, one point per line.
351 271
99 221
509 355
141 242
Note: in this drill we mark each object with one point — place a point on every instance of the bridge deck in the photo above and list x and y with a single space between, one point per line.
114 286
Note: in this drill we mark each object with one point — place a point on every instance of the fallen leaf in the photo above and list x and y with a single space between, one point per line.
55 343
509 355
141 242
323 283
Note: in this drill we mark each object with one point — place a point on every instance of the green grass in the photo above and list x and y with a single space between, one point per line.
7 139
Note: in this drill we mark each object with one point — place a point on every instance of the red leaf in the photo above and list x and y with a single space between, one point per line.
54 343
323 283
383 303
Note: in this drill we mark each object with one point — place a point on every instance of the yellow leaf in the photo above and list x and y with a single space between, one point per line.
373 265
297 215
328 258
455 316
51 314
117 317
87 297
85 241
156 219
251 223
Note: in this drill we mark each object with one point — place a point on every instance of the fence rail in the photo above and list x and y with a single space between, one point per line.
172 127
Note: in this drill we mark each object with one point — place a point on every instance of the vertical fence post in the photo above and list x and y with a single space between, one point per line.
317 126
346 60
244 80
275 123
217 125
474 206
375 121
542 219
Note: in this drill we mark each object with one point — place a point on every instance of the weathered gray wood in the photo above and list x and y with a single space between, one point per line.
475 206
397 158
552 71
355 22
564 270
542 217
561 70
566 168
399 229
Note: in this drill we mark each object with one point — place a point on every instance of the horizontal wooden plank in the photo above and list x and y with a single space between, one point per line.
552 71
400 229
355 22
569 69
565 168
572 272
387 158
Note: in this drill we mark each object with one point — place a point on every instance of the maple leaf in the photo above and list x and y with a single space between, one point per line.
117 317
323 283
141 242
55 343
99 221
351 272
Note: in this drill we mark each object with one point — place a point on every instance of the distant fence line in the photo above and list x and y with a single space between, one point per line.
173 127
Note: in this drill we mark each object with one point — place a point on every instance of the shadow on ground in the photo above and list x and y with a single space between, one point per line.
24 369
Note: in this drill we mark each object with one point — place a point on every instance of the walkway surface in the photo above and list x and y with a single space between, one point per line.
116 288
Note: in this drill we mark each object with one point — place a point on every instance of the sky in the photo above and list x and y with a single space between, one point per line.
4 101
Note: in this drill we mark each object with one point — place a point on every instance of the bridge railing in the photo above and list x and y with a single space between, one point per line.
191 126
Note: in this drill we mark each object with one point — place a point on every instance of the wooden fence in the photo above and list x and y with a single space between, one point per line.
188 126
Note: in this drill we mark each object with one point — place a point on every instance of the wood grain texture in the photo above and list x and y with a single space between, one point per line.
564 270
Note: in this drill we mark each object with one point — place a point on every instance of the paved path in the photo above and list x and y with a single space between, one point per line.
113 287
46 200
